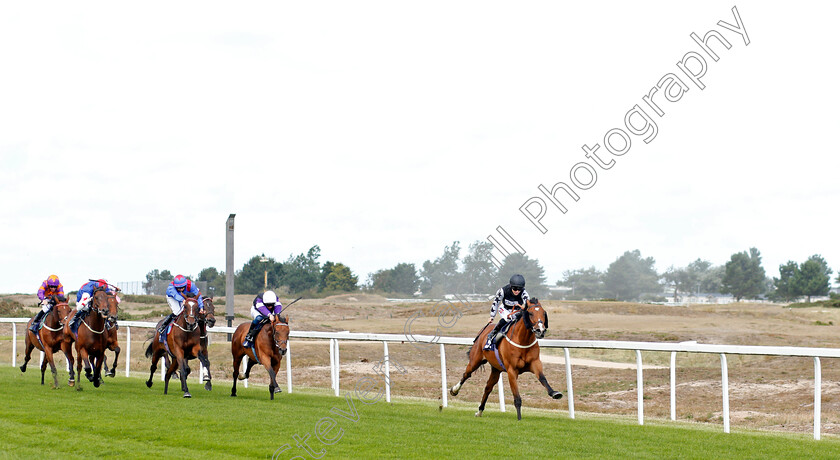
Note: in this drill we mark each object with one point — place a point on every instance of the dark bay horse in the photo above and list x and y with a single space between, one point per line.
48 339
91 339
113 343
519 353
181 344
270 346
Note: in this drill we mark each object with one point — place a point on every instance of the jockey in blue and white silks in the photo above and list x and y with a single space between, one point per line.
176 293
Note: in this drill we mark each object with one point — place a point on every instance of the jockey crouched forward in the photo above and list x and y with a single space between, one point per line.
84 298
176 293
49 287
508 299
264 308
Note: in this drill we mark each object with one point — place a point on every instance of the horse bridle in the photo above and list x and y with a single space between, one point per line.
537 332
281 342
190 326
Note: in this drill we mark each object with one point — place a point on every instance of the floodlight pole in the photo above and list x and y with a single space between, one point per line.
229 273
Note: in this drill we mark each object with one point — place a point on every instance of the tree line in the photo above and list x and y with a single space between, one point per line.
630 277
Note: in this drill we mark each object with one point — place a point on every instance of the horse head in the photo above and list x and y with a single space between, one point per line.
536 318
281 333
113 310
190 312
209 313
62 309
100 303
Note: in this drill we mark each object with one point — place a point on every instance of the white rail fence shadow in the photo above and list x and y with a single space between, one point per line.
427 340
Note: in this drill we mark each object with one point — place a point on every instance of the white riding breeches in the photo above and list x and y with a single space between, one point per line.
175 305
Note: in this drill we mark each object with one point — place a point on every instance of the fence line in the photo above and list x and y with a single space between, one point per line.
638 347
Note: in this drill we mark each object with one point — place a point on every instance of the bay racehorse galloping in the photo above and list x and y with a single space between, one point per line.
181 344
48 338
91 340
113 344
206 318
270 346
519 352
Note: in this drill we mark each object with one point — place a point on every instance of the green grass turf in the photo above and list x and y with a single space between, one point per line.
124 419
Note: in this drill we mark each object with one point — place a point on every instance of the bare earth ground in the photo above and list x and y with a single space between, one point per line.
765 392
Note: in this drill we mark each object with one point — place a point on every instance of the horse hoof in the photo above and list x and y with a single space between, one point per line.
187 395
111 374
208 386
241 377
96 383
556 394
71 383
278 390
478 414
23 368
233 395
148 383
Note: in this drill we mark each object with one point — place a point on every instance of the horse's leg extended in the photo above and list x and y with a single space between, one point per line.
97 360
237 361
491 382
27 354
67 349
113 371
476 360
513 377
49 357
156 354
251 363
537 369
202 356
182 363
171 368
82 356
272 387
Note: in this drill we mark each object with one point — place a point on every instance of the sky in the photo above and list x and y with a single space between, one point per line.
384 131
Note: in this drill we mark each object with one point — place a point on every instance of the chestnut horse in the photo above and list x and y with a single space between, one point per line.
181 344
519 353
270 346
48 338
91 340
206 318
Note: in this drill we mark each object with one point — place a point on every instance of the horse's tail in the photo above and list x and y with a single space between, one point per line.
149 349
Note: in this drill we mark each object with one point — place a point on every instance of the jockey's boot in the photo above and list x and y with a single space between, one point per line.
252 333
166 322
74 323
37 321
491 337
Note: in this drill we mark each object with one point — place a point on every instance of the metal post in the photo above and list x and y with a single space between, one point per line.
724 377
673 385
387 360
127 350
640 400
570 392
14 344
817 398
502 391
332 363
443 375
337 369
288 368
229 273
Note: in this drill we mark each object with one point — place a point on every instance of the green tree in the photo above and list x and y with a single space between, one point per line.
586 283
215 280
815 277
402 279
441 276
341 278
631 275
325 270
787 284
744 276
529 268
156 275
711 279
251 278
480 273
303 271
